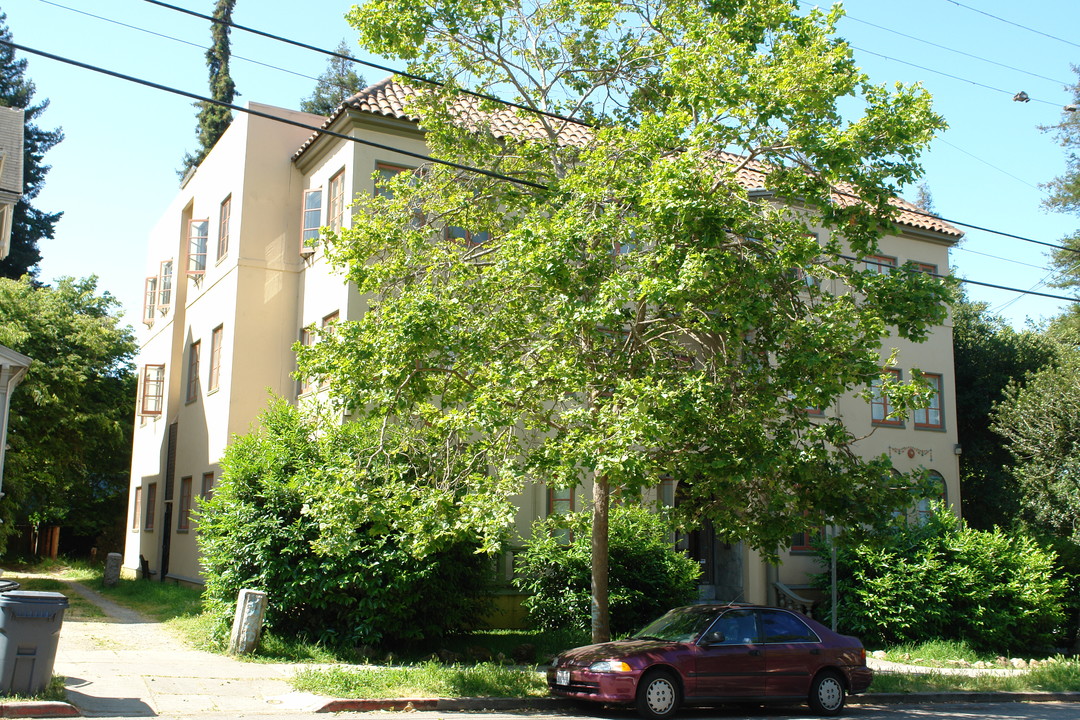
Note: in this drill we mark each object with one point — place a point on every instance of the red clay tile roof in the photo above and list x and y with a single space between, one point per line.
389 99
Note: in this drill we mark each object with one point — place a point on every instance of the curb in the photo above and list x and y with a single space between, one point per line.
37 709
552 703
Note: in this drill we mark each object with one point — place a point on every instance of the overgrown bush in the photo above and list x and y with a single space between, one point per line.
944 580
349 553
646 575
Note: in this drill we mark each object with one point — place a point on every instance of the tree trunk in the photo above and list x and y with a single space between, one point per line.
601 621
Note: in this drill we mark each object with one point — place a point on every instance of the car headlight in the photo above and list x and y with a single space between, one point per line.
609 666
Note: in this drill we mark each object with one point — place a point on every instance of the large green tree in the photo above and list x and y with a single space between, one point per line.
1040 421
989 355
29 224
215 119
633 312
69 434
337 82
1064 196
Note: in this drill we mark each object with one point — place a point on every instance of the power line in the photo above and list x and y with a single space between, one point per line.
383 68
989 164
916 38
1015 24
944 74
457 166
174 39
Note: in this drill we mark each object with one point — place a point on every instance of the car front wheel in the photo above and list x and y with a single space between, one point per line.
658 695
827 694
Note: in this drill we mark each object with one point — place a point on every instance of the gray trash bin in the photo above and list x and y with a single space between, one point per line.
29 630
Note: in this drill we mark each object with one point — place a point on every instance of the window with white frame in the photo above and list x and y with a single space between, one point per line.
153 389
335 211
931 417
164 285
224 218
216 338
309 235
880 407
193 370
150 300
198 232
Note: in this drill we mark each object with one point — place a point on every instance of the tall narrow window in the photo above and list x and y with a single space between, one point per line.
215 358
879 402
224 216
165 285
198 231
207 486
136 511
153 389
151 501
307 339
193 371
561 502
665 494
150 298
930 417
335 211
309 236
183 518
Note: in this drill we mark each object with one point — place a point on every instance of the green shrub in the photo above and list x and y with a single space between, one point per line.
349 553
646 575
944 580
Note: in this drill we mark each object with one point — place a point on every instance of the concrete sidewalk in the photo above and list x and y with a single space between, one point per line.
130 666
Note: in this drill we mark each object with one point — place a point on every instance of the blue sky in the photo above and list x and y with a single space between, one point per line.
115 172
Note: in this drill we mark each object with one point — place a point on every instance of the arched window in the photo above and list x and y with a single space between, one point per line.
923 508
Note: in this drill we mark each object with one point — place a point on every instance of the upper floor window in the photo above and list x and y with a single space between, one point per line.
880 264
335 211
467 237
925 268
216 338
164 285
198 231
150 299
385 171
153 390
224 217
193 371
309 236
880 408
930 417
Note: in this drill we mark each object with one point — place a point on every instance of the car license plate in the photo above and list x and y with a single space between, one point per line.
562 677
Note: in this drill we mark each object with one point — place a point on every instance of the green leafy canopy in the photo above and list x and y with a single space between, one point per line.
640 315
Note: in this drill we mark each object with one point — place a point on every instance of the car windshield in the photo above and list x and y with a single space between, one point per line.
678 625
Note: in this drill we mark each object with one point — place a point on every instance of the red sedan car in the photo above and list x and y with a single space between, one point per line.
710 654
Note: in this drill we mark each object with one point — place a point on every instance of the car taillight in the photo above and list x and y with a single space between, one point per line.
862 655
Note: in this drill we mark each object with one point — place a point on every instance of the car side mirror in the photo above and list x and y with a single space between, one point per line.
713 638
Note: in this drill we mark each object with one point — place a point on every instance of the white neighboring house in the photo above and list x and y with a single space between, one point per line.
13 365
236 274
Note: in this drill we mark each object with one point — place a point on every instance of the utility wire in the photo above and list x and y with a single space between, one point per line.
939 72
1014 24
257 113
457 166
916 38
175 39
383 68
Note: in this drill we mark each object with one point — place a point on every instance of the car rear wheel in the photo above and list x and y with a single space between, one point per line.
827 694
658 695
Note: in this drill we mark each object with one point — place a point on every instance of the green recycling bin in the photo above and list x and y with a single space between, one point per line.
29 631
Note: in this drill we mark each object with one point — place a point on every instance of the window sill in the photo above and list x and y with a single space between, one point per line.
884 423
931 428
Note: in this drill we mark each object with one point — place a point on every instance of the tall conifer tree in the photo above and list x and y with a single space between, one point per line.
215 119
338 82
29 224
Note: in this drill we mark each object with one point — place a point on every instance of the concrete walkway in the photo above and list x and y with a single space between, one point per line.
129 666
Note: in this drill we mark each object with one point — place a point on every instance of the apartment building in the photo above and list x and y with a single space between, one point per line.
235 272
